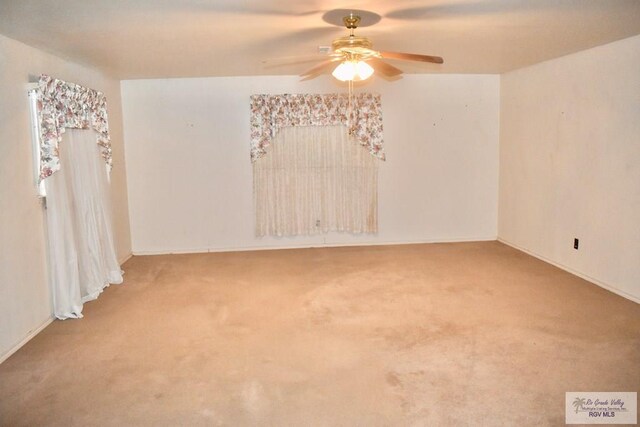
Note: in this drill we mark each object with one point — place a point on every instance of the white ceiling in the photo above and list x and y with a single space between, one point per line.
189 38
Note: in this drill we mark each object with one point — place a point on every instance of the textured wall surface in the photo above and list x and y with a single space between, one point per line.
190 178
570 163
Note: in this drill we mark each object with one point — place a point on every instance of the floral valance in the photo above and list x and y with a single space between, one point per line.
63 105
269 113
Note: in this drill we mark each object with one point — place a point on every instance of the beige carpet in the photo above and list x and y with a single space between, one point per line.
437 335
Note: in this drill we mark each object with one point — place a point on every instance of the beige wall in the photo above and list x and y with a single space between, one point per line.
570 163
190 177
24 293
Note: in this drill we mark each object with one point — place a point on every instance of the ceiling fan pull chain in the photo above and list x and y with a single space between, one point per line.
350 121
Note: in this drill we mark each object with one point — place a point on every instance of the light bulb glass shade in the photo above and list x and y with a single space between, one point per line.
363 70
345 71
352 71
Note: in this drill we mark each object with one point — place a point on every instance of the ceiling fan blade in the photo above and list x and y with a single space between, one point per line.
293 60
306 36
310 77
412 57
383 68
320 68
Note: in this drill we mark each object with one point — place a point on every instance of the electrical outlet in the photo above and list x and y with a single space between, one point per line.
576 243
317 223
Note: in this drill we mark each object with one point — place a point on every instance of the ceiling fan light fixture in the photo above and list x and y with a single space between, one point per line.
352 71
364 70
345 71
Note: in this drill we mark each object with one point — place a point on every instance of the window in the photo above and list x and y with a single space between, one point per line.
315 179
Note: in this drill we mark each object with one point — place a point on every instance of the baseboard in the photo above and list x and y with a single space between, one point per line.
310 245
584 276
37 330
125 258
26 339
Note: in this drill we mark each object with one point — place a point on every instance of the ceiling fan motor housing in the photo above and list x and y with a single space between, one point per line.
354 46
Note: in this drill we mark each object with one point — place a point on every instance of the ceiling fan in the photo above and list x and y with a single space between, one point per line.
357 58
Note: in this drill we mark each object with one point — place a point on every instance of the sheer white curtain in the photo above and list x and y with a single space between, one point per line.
82 259
315 179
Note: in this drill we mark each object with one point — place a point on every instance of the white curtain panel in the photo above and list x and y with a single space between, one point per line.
315 179
82 259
